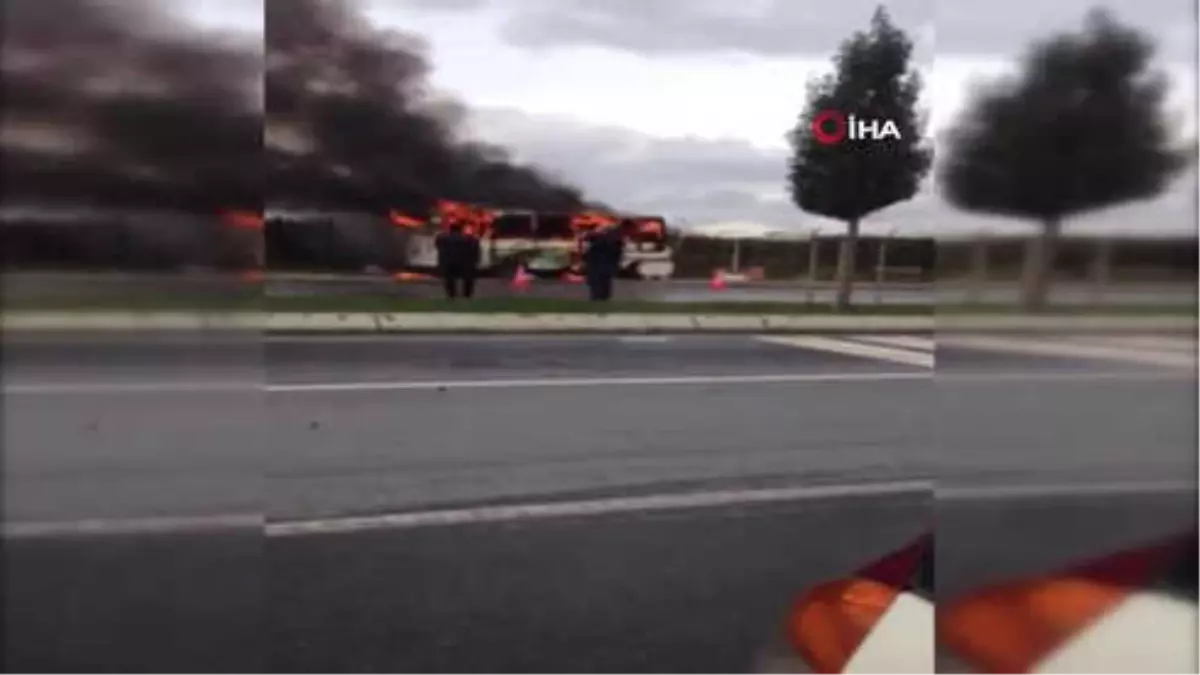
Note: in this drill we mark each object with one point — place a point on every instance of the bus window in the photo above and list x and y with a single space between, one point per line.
646 233
554 226
513 226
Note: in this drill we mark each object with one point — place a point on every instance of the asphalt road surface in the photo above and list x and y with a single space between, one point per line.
30 287
506 503
692 290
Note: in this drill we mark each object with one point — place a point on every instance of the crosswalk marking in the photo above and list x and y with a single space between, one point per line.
918 350
850 348
1159 343
918 343
1070 349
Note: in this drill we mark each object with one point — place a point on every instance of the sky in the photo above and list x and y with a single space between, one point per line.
618 96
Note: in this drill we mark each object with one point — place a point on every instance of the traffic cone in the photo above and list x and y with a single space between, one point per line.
829 625
521 279
717 282
1016 627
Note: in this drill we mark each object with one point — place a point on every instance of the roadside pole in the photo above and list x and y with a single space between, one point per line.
881 266
813 260
1101 271
978 276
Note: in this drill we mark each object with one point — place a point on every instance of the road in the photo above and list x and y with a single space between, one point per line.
823 292
807 456
30 287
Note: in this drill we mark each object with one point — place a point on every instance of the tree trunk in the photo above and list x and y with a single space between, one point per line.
845 265
1039 265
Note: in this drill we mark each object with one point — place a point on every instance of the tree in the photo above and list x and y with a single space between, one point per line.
1081 128
852 178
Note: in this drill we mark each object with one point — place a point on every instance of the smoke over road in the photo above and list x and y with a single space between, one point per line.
352 123
126 131
121 105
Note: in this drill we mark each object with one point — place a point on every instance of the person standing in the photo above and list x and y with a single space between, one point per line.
458 260
602 260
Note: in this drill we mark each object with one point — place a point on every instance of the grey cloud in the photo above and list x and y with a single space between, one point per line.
690 178
997 29
772 28
439 5
701 180
1006 28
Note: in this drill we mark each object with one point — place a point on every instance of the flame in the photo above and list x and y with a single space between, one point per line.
475 220
411 276
400 220
649 227
243 220
589 220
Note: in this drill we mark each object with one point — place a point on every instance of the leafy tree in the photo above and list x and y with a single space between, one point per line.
853 178
1080 128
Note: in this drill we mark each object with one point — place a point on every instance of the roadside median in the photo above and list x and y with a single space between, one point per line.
330 323
352 314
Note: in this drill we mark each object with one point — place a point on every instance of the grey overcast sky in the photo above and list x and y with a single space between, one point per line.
618 95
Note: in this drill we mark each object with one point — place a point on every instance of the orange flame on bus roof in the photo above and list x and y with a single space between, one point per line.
650 226
400 220
589 220
474 220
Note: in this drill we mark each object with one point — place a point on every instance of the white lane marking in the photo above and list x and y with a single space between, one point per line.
129 526
330 387
645 339
549 510
595 507
403 338
1081 377
176 387
913 342
851 349
1070 350
1178 345
1034 490
165 387
900 642
1146 633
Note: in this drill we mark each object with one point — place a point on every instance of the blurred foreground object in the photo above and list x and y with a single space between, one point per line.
878 619
1100 616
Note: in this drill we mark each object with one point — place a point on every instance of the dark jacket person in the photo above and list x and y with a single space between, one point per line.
602 261
458 260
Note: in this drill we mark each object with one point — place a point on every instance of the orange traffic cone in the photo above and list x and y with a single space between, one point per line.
1012 627
717 282
411 276
830 622
521 279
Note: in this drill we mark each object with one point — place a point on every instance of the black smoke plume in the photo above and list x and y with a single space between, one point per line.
117 109
352 123
118 104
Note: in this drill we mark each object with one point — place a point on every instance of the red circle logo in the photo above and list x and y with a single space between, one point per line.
829 127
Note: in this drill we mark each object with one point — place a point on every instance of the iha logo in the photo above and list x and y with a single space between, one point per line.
831 126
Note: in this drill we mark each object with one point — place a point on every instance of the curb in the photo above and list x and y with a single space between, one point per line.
435 323
570 323
445 323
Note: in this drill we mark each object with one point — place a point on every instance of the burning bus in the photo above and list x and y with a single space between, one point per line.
546 244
